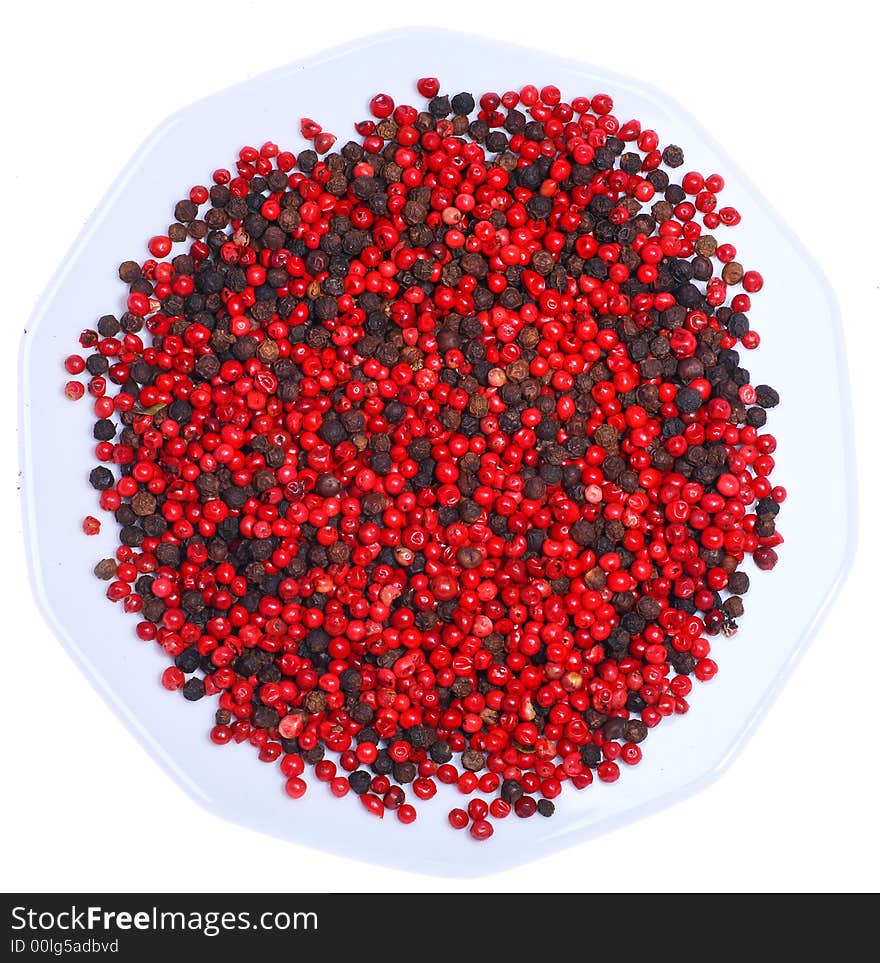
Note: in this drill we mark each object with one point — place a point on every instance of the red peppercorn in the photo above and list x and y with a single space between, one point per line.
458 818
525 806
608 771
173 678
160 245
91 525
324 141
481 829
752 281
309 128
428 86
381 106
295 787
291 765
373 804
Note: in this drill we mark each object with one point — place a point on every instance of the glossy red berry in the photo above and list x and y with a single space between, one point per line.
309 128
428 87
373 805
381 106
91 525
481 829
458 818
160 245
295 787
752 281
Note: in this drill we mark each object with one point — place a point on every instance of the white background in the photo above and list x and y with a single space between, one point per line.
789 93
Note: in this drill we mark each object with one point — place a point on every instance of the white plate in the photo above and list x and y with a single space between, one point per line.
796 315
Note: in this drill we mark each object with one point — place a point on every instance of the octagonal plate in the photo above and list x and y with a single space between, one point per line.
796 314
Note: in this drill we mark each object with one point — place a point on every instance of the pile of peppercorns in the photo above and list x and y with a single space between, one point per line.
433 458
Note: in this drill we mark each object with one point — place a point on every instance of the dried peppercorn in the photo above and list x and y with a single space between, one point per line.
433 457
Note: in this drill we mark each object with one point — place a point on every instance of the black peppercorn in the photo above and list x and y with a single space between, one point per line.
194 690
360 781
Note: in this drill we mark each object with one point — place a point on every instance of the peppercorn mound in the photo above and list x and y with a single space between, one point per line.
435 453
